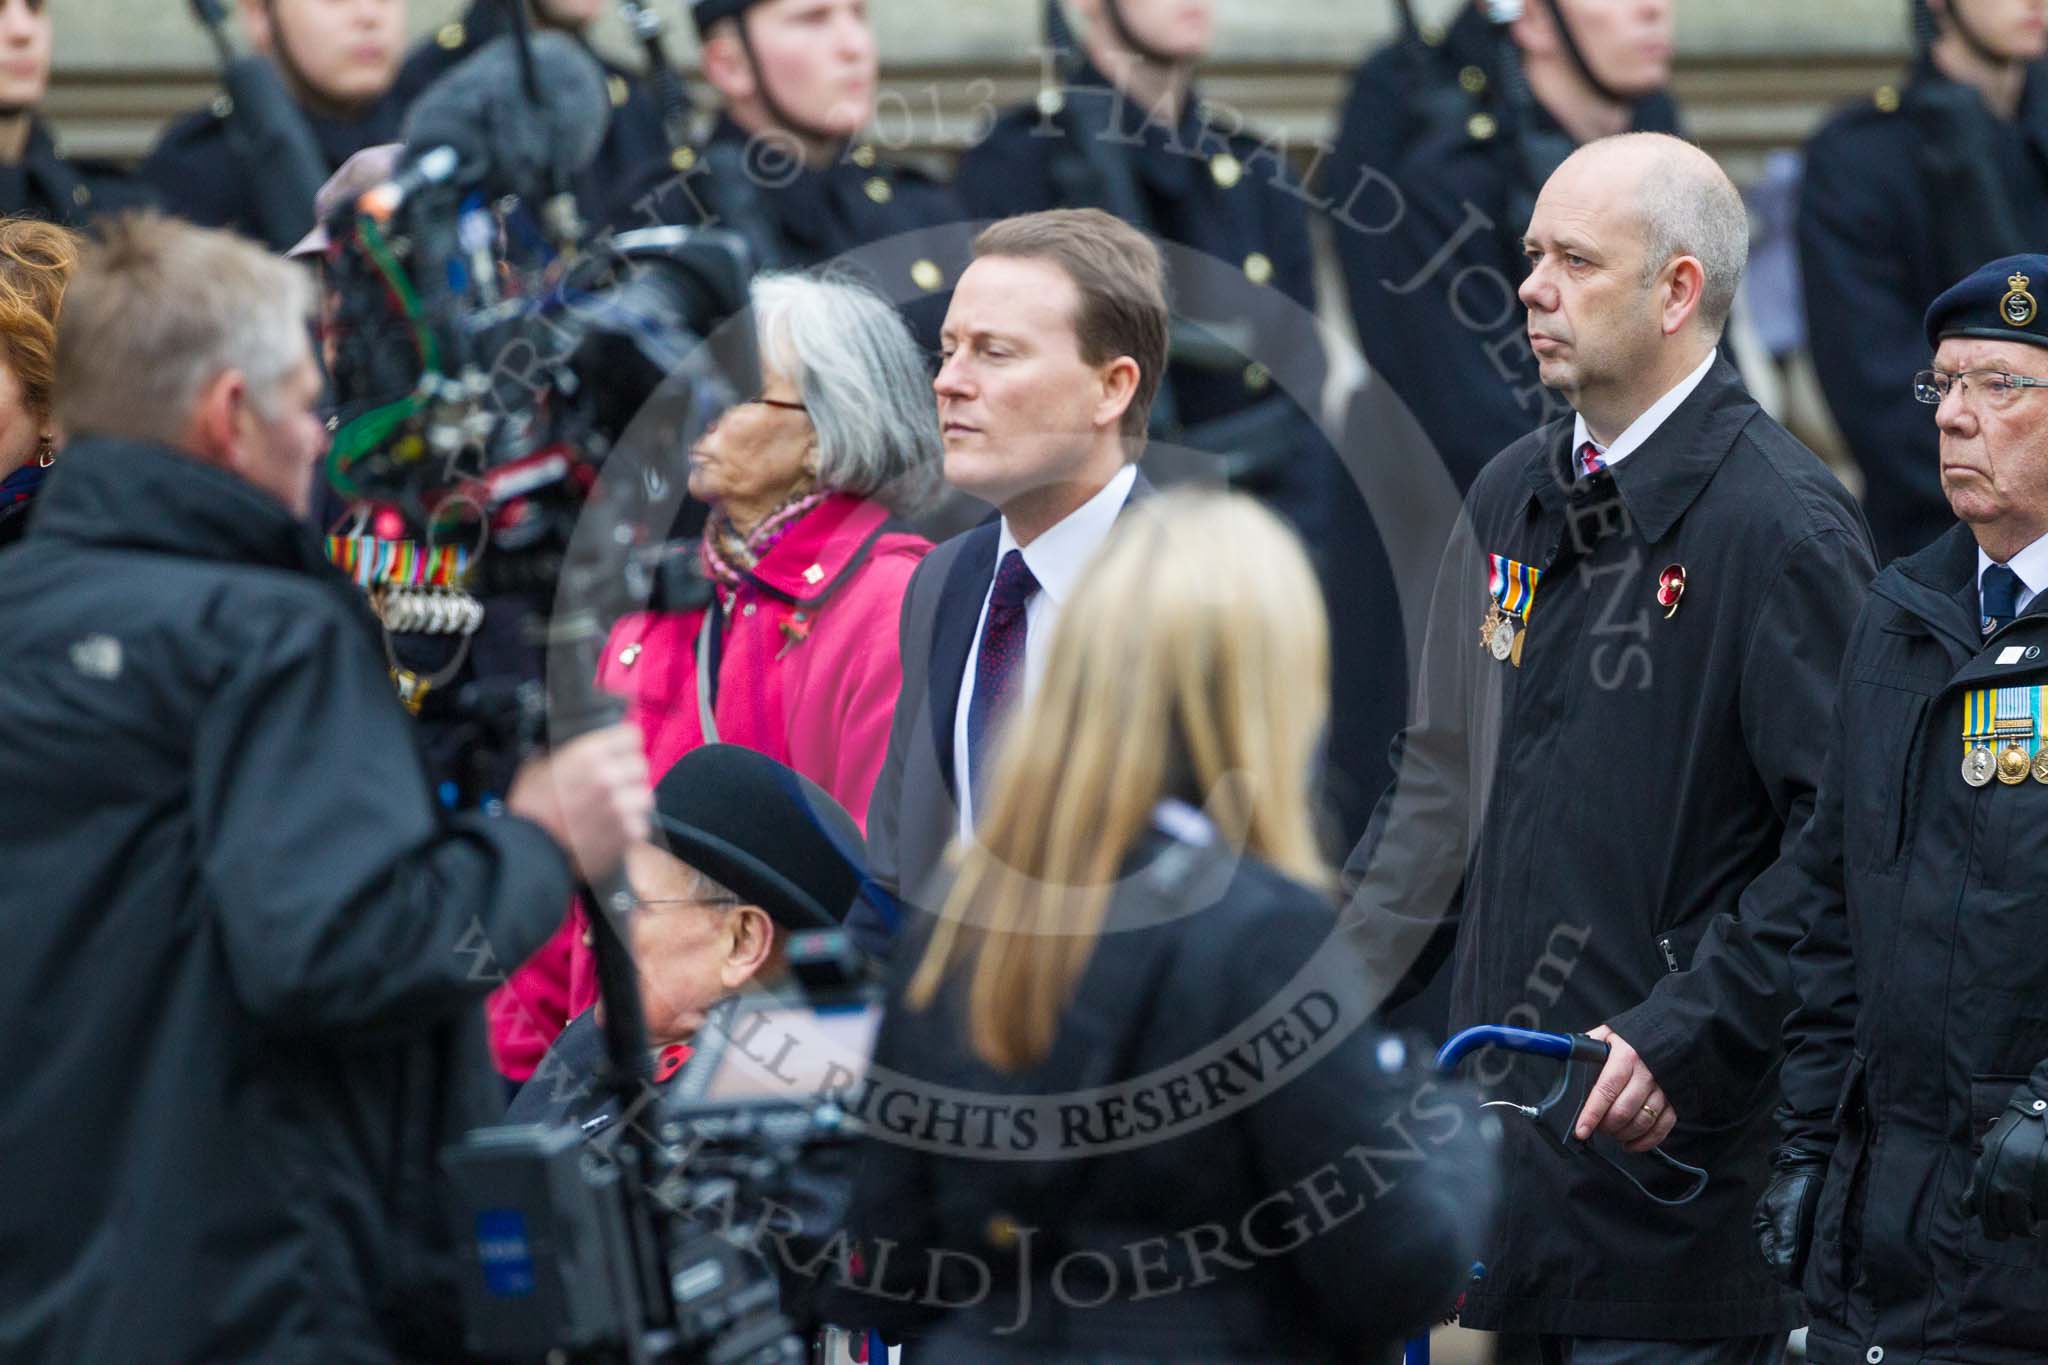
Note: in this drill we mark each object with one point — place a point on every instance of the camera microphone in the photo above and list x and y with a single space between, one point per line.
477 126
435 167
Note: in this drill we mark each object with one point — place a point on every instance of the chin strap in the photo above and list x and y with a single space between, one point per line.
1927 29
1502 13
1128 36
296 80
782 116
1578 55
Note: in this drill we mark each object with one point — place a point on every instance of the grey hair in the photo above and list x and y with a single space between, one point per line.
863 379
158 310
1690 207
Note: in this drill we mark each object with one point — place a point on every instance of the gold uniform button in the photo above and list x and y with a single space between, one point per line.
1051 100
1226 169
452 36
616 87
1258 268
683 158
1887 98
864 156
1481 126
1001 1231
1257 377
927 276
879 190
1472 80
630 655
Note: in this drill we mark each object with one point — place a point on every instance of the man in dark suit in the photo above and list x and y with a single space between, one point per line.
1120 125
1054 347
1620 720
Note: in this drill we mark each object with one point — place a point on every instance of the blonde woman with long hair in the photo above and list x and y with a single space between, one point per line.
1115 1099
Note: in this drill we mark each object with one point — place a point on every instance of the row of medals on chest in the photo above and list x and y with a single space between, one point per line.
2010 764
1501 632
1501 636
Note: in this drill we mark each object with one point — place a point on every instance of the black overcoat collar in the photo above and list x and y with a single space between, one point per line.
1662 478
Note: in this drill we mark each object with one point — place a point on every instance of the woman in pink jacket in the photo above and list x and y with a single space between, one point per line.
794 651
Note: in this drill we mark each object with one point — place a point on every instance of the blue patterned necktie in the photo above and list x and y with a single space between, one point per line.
999 664
2000 594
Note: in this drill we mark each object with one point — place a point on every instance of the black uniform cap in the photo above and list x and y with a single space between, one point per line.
763 831
709 12
1996 302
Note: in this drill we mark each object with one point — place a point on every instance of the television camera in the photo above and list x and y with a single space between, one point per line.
685 1226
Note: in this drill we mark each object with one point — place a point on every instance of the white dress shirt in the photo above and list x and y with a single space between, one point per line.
2031 564
1055 560
1645 426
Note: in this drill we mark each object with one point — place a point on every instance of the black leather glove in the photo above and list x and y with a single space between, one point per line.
2009 1189
1784 1215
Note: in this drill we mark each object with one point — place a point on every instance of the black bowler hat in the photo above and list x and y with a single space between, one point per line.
763 831
709 12
1997 302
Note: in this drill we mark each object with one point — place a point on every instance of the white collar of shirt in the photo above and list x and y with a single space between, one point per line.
2031 564
1057 557
1645 426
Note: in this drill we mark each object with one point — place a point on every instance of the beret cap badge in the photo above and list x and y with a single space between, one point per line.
2018 306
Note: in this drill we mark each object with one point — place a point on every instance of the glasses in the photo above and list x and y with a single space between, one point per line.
1996 387
764 401
714 902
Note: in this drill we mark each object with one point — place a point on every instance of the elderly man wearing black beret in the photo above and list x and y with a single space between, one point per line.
1911 1178
745 852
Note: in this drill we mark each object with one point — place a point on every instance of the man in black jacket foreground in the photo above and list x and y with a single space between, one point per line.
242 952
1912 1179
1621 717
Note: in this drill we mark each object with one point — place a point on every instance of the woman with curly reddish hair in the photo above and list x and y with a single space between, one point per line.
35 264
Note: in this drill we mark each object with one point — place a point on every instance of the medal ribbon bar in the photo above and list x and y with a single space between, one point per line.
376 563
1513 585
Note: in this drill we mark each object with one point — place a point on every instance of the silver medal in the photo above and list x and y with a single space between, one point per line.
1980 765
1502 642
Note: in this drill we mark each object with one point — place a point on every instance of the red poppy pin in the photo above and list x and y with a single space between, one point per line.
1671 587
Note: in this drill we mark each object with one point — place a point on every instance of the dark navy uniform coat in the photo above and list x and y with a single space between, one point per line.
635 142
1579 834
198 176
1198 186
1428 204
1922 984
1905 194
46 185
906 228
